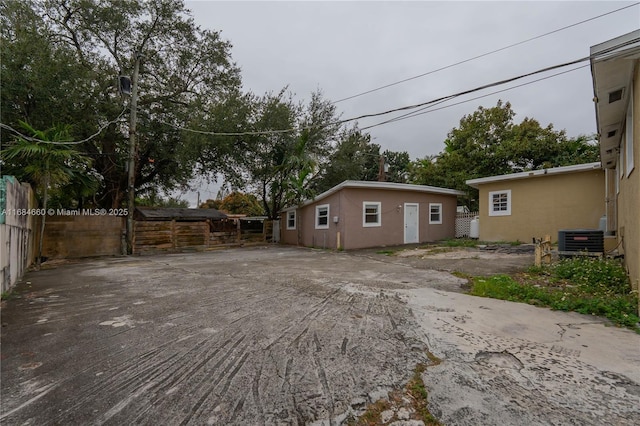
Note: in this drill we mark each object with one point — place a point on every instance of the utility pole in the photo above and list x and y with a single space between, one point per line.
131 180
383 167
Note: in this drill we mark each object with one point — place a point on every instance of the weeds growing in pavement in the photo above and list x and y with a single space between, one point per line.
586 285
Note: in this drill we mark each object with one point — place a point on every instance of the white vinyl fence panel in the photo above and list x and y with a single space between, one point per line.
463 224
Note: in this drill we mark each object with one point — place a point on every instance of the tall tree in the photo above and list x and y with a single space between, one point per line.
283 162
353 158
81 46
264 161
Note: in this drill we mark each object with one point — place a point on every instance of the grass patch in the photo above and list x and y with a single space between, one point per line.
459 242
418 393
372 416
586 285
9 295
414 391
433 359
470 242
386 252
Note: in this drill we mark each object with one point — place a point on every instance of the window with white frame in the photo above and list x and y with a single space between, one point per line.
435 213
322 216
500 203
371 213
629 136
291 220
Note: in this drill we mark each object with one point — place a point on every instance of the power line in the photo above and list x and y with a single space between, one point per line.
32 139
338 122
482 55
486 86
404 108
417 113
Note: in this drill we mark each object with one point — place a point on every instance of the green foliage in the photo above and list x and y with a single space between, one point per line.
398 166
239 203
210 204
594 275
45 161
356 158
459 242
60 61
488 142
8 295
386 252
419 396
282 166
470 242
588 286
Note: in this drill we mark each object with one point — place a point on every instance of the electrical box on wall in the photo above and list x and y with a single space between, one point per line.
335 219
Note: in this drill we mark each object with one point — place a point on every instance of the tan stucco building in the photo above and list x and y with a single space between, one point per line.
615 68
527 205
358 214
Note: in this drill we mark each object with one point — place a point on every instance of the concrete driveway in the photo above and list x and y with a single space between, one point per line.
284 335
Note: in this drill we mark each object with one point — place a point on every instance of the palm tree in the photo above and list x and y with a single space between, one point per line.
46 161
299 169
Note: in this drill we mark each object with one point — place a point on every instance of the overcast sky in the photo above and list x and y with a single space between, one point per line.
346 48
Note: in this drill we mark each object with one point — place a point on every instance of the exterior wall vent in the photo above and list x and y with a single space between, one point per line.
616 95
575 242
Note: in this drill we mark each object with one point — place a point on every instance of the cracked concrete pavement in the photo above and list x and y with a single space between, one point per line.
511 363
285 335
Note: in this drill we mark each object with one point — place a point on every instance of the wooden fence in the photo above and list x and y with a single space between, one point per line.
158 236
69 236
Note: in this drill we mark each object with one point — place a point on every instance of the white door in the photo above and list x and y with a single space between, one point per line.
410 223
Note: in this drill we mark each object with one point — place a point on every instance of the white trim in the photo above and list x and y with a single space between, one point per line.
623 148
501 212
378 221
533 173
290 228
417 223
380 185
629 134
318 208
439 221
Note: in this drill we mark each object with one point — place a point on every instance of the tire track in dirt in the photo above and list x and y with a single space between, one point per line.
266 346
237 365
255 391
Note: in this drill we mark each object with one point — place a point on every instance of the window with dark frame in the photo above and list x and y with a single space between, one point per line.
500 202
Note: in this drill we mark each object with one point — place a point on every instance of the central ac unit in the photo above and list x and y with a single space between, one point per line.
573 242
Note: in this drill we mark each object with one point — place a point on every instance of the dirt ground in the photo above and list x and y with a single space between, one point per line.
276 336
